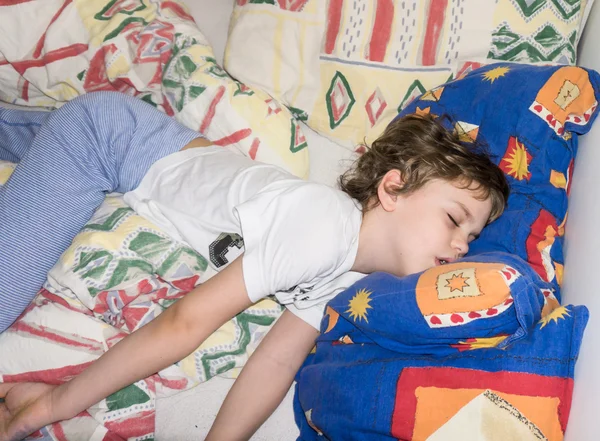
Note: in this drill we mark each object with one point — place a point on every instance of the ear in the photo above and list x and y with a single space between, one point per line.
386 191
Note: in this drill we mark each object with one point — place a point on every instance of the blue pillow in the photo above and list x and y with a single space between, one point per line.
460 347
529 117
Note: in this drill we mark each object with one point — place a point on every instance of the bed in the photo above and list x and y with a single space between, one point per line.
188 414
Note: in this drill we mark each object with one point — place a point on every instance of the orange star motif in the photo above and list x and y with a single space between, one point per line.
457 282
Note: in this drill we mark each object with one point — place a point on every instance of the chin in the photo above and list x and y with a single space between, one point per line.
396 272
420 269
409 270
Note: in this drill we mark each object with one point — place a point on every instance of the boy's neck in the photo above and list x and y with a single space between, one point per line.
371 244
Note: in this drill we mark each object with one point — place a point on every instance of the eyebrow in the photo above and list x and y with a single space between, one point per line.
466 210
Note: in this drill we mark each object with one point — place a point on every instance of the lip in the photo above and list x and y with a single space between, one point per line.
445 259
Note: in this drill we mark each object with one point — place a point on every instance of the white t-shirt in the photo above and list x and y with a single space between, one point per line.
298 237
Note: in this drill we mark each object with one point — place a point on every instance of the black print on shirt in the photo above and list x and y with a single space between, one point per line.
299 291
219 248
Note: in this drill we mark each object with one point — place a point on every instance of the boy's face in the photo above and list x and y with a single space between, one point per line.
431 226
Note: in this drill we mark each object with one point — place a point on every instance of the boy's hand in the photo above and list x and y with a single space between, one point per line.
27 407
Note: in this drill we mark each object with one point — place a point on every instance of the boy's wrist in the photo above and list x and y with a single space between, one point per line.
59 406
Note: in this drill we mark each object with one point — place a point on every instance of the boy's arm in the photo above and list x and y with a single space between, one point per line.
264 380
167 339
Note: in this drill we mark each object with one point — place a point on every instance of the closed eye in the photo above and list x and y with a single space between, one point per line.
453 220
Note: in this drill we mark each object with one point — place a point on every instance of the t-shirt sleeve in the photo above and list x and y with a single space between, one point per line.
294 235
312 315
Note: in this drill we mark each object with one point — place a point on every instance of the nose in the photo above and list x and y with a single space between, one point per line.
460 244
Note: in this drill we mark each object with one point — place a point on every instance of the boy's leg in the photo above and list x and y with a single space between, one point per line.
98 143
17 130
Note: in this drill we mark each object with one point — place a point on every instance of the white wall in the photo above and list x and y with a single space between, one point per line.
582 269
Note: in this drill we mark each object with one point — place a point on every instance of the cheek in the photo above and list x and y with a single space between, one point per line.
420 230
435 234
422 238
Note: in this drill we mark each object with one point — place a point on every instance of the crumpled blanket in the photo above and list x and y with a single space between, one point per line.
120 272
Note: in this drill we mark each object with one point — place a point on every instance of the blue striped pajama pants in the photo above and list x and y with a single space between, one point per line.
69 159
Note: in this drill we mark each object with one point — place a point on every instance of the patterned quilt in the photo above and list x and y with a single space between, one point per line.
122 271
151 49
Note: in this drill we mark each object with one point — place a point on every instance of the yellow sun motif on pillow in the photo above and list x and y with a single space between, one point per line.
493 74
556 315
516 160
359 304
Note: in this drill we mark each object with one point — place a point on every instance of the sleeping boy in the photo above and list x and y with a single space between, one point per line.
414 200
